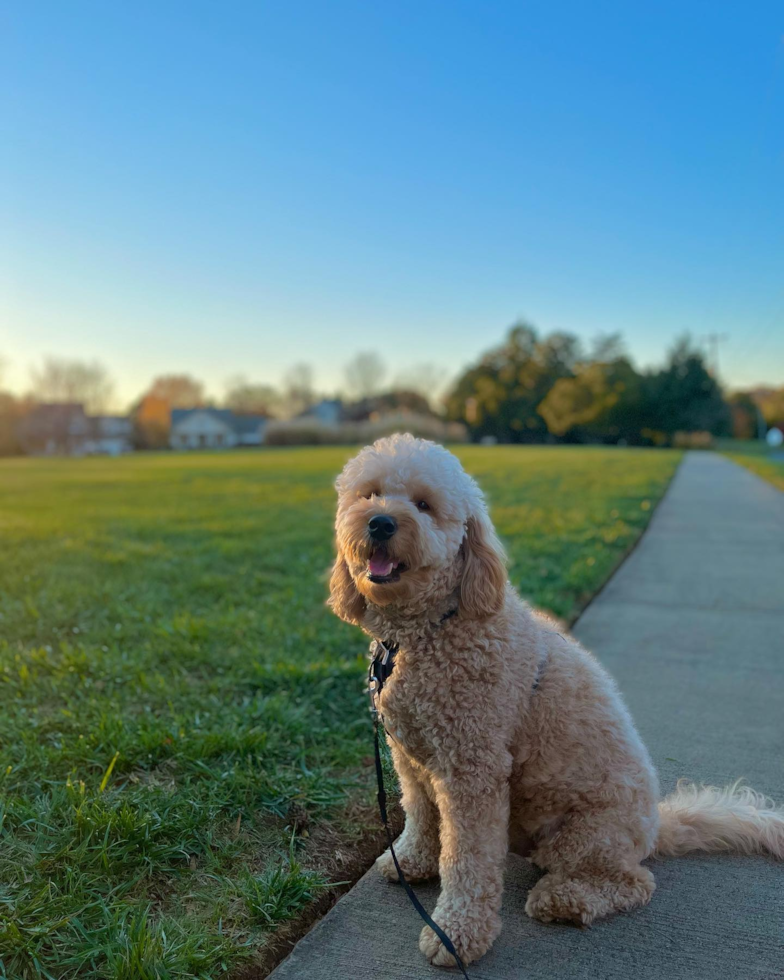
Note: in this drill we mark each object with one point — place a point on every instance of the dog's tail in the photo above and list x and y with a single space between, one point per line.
708 818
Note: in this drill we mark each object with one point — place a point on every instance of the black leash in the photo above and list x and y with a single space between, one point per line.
380 669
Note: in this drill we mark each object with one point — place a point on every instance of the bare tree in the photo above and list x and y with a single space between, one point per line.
365 375
179 390
298 390
61 380
251 399
425 379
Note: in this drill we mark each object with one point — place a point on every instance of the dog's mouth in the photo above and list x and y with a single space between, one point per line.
382 569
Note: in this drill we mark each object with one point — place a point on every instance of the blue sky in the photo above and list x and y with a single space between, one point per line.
234 187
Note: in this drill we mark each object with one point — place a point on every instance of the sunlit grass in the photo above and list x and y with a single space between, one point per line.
178 704
757 457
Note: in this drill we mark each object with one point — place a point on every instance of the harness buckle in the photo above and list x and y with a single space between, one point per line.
372 691
380 669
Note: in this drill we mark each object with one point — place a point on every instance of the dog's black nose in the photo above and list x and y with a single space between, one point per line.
382 527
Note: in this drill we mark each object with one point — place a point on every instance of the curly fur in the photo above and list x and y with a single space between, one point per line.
486 763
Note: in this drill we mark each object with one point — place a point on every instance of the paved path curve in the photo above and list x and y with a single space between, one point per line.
692 628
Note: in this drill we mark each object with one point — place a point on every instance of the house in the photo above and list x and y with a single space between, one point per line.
63 429
53 429
108 435
214 428
250 429
328 411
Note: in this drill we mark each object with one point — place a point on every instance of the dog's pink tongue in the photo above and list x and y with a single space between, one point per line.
379 564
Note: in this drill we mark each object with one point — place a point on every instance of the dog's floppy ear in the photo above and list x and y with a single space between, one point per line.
344 598
484 571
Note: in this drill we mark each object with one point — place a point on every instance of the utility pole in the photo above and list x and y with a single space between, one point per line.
713 340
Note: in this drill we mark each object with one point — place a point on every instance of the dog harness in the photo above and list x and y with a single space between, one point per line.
381 666
383 661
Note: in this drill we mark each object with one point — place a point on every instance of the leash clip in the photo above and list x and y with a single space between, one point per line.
375 674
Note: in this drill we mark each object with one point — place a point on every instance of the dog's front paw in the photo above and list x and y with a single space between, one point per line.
472 935
416 865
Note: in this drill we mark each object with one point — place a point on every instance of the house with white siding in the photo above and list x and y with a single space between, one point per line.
214 428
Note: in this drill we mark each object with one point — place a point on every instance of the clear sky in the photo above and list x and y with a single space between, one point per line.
231 187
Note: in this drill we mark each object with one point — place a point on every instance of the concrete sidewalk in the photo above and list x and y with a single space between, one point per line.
692 628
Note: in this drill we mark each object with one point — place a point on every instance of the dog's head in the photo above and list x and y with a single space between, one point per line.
412 525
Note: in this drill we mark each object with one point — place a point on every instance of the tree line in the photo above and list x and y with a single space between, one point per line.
89 384
532 387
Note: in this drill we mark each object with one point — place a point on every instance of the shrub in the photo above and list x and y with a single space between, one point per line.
692 440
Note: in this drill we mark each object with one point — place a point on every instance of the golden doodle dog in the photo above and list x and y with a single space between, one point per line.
506 734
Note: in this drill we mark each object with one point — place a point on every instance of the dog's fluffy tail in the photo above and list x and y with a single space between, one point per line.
708 818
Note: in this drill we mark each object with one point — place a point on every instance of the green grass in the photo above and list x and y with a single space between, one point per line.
183 734
757 457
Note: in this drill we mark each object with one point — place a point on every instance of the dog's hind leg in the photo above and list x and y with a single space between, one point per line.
593 864
585 897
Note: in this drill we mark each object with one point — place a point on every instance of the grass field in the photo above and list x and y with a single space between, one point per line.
757 457
184 733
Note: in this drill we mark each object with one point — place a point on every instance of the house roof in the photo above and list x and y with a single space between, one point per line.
329 405
54 418
240 424
244 424
180 414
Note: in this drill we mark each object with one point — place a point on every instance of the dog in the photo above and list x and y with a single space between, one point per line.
505 733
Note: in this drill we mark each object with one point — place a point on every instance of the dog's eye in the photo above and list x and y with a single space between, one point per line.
423 505
373 493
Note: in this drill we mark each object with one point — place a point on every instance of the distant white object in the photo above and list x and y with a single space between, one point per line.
774 438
